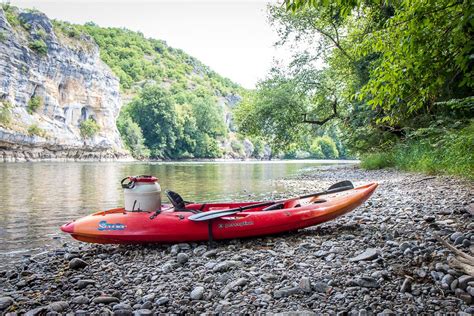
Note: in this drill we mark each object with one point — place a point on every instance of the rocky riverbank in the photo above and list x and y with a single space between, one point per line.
381 258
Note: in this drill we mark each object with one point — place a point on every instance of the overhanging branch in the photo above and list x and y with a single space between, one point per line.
325 120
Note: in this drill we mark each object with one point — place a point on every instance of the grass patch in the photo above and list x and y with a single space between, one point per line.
5 113
34 129
376 161
39 46
449 153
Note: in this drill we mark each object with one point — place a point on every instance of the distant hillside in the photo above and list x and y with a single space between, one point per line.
154 77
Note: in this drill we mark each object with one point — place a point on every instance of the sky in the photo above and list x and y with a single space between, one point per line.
233 37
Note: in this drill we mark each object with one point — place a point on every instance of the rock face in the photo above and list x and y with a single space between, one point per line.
69 81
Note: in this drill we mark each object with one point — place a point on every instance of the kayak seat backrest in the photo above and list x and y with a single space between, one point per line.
277 206
178 202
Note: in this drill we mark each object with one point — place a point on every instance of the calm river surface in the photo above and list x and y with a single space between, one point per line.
36 198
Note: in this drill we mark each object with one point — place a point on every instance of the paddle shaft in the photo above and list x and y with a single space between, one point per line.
205 215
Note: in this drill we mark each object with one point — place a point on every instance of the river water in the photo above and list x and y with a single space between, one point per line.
37 198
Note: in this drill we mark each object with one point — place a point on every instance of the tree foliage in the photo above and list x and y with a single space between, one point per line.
380 70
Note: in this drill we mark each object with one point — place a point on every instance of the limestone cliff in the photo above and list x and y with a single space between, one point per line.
49 84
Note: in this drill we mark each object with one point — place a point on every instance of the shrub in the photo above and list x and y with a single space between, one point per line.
34 104
39 46
10 14
237 147
3 36
89 128
5 113
34 129
41 33
377 160
132 136
324 147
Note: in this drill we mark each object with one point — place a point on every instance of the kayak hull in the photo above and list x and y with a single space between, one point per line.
117 226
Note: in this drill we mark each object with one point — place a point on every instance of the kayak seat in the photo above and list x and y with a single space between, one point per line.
178 202
277 206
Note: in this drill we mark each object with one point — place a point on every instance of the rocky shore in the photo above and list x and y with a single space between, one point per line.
383 258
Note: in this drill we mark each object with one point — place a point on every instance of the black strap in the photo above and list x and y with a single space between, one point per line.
209 230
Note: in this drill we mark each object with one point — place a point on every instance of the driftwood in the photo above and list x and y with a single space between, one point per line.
462 261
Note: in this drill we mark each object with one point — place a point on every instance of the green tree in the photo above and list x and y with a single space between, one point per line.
154 111
132 135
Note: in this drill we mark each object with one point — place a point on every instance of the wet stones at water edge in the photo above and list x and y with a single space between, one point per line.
381 258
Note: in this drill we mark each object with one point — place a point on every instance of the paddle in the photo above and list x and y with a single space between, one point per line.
205 216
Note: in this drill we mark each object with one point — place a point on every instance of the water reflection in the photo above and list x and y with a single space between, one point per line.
36 198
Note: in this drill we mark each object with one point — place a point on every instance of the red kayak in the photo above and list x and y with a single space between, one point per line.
201 222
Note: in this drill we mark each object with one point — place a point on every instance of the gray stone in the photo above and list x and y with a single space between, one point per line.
59 306
162 301
459 240
197 293
225 266
105 300
80 300
5 302
405 245
167 268
456 235
447 280
321 253
286 292
77 264
84 283
464 280
305 285
143 312
320 287
406 285
368 254
463 296
232 285
367 282
182 258
122 306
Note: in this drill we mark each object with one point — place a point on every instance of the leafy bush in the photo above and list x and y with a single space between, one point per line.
34 104
3 36
5 113
34 129
324 147
447 152
132 136
377 160
10 14
39 46
237 147
89 128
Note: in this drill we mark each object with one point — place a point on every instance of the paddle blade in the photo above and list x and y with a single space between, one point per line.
206 216
346 184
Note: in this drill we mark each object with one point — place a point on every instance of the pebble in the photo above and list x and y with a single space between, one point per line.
197 293
162 301
225 266
182 258
77 264
59 306
105 300
368 254
305 285
406 285
5 302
